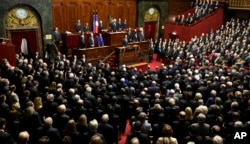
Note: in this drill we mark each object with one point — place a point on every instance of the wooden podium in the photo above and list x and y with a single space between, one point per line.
113 38
127 55
69 41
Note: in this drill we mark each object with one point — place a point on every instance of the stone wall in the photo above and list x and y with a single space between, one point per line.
41 7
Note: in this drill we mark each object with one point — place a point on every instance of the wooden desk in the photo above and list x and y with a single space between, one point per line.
94 54
69 41
113 38
8 51
144 46
143 50
126 55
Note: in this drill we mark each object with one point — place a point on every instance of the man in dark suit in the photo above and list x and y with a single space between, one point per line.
60 118
83 60
106 129
49 106
113 25
57 36
5 137
86 27
93 125
4 107
130 35
125 41
82 42
91 40
101 26
47 132
154 88
51 49
200 128
143 138
78 26
141 35
135 36
180 127
119 24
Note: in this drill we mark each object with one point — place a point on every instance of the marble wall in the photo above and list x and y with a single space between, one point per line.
41 7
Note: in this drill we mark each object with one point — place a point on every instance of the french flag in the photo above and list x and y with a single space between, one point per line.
96 23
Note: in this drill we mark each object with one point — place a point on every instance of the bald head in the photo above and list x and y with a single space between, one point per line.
23 137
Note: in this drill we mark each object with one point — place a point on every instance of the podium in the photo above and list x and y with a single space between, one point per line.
113 38
127 55
69 41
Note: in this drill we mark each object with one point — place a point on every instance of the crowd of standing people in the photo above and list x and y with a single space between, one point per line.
201 100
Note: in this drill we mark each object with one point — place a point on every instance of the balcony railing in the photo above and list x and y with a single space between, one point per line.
239 4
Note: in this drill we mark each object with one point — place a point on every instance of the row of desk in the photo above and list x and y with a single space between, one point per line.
124 55
70 46
113 41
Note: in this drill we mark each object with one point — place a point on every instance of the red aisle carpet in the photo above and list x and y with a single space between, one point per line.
124 136
154 63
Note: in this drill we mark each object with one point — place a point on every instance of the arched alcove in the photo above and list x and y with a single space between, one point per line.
23 21
151 22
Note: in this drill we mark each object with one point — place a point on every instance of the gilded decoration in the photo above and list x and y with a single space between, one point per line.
21 16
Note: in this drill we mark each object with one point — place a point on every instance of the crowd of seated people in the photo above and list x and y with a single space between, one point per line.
201 8
72 101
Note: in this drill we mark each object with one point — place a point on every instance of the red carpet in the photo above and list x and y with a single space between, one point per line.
124 136
154 63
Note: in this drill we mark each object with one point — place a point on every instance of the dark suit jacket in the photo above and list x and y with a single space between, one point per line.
82 42
200 129
57 36
143 138
91 42
101 27
78 27
49 108
124 42
6 138
4 110
87 136
60 121
108 132
52 133
113 27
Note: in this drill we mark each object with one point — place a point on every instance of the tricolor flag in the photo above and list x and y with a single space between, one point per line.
93 23
96 23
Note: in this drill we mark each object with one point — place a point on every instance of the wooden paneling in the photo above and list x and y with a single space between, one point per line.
65 13
176 8
93 55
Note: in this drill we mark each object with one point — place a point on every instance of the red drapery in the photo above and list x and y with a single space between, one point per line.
31 39
150 29
185 33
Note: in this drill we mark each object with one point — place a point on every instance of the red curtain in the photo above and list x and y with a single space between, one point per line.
150 29
31 39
